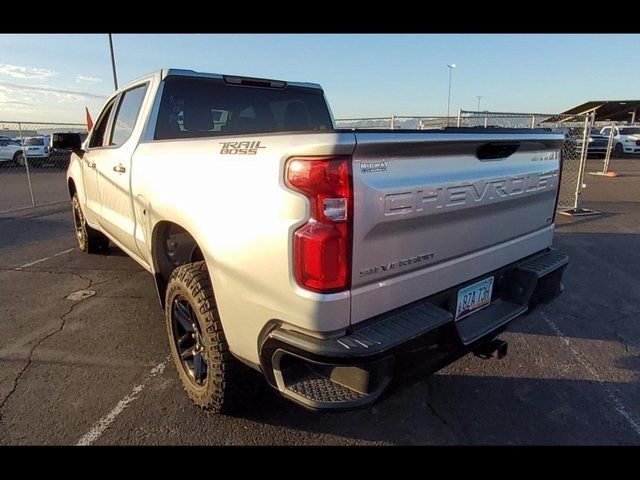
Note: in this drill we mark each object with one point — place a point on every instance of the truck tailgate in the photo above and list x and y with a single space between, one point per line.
432 210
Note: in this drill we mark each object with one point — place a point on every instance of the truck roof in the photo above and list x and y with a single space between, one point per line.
239 79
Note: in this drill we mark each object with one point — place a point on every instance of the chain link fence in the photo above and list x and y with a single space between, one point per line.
395 122
576 129
32 173
603 134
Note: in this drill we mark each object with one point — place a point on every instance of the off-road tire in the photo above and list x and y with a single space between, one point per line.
89 239
229 383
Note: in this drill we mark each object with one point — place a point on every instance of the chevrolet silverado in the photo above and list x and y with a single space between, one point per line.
314 256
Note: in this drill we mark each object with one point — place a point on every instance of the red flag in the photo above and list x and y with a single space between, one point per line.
89 121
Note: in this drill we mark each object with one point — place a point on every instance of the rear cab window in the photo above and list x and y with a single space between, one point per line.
194 107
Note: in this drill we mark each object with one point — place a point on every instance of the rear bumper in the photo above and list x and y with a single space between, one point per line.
354 370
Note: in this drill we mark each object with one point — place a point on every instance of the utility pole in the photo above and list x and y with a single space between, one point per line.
113 63
479 97
451 67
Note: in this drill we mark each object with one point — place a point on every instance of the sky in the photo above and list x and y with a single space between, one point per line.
53 77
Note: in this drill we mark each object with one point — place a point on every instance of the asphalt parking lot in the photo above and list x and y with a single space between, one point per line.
95 370
47 183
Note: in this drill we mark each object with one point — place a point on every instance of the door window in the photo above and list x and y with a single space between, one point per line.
99 129
127 114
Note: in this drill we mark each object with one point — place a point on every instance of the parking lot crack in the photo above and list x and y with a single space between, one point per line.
27 364
619 336
433 410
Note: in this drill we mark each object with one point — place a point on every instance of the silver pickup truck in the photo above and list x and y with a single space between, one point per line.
317 256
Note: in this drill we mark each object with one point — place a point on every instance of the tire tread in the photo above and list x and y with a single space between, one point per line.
229 381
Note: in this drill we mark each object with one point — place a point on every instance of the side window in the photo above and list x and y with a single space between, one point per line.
97 137
127 114
606 131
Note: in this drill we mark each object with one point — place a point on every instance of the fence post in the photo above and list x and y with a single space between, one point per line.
607 156
533 122
26 165
583 162
393 122
459 117
486 120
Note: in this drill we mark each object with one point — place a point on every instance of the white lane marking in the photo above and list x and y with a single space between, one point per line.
44 259
617 404
40 260
101 425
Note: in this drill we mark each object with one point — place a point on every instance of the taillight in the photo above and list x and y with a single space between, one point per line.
322 246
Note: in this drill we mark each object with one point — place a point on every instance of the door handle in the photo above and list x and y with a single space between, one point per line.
119 168
91 164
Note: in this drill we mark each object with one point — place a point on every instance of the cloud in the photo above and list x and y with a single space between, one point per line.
17 71
42 103
83 79
60 94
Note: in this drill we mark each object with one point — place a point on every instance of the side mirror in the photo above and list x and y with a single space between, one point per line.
67 141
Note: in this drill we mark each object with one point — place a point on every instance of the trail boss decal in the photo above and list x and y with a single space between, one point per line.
240 148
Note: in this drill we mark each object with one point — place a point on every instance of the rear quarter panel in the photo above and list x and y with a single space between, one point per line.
243 217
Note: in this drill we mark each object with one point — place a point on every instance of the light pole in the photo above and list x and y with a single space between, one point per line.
113 63
479 97
451 67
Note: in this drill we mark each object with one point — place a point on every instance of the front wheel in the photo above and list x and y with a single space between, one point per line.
89 239
211 376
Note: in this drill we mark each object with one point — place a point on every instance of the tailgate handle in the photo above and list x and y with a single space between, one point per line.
496 151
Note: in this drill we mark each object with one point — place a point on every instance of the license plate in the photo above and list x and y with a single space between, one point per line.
474 297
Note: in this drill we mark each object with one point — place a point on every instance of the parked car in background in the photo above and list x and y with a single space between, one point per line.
59 157
626 139
37 150
598 143
572 146
10 151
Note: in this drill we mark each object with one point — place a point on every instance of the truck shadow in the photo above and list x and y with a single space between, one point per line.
467 409
35 228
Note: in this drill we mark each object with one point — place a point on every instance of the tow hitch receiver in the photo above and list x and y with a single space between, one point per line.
494 349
